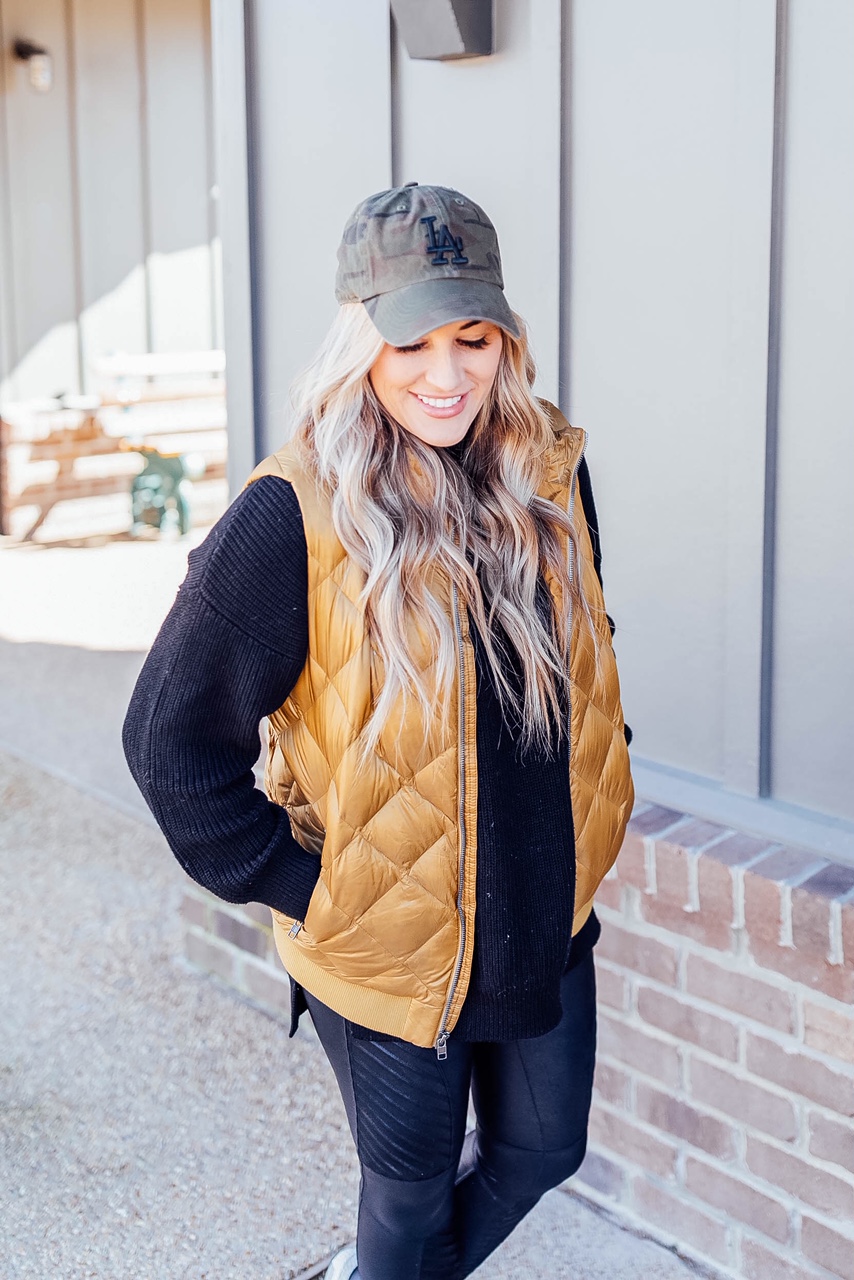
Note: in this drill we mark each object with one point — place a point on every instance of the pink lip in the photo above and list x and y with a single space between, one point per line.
451 411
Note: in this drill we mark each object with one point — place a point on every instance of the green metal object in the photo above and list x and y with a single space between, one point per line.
160 494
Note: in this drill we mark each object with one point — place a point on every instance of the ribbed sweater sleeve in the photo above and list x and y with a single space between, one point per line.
228 653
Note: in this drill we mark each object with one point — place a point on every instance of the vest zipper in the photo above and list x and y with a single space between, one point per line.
572 501
295 928
570 512
572 557
442 1038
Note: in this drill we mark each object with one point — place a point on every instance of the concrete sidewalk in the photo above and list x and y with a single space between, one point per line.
152 1126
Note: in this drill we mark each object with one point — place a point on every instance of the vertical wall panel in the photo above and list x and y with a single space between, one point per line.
322 142
813 705
6 307
42 344
84 199
232 252
671 109
111 177
176 108
491 127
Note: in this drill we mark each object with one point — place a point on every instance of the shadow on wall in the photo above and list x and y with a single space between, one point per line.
49 365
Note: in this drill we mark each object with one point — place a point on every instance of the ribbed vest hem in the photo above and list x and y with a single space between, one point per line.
401 1016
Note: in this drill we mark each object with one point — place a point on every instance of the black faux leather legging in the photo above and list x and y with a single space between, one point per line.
434 1203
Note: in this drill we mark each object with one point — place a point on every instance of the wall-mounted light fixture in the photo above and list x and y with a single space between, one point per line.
444 29
39 64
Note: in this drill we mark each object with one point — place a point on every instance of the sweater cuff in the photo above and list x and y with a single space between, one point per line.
287 883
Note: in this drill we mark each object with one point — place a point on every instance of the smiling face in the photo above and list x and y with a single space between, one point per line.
435 387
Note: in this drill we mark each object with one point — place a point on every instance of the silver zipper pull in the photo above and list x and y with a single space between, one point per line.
295 928
442 1046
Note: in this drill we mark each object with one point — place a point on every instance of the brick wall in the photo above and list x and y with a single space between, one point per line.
725 1079
723 1118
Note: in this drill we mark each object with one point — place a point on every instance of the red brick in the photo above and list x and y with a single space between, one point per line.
829 1248
680 1119
762 890
194 910
671 871
835 881
245 936
738 850
210 956
640 955
642 1052
611 987
687 1022
703 927
801 1074
653 819
810 923
741 994
760 1263
603 1174
738 1199
610 894
811 907
801 1179
269 988
832 1140
673 854
631 862
831 1031
618 1134
694 834
743 1100
848 933
762 911
788 866
834 980
680 1220
714 883
612 1084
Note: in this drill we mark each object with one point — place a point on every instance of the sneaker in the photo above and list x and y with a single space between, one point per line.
343 1265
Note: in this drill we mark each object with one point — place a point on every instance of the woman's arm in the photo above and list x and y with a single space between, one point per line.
228 653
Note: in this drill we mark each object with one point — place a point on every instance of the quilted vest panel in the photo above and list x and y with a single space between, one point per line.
388 937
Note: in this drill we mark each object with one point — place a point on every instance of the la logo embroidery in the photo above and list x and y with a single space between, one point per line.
439 246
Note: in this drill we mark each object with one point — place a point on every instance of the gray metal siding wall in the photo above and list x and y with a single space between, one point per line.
669 228
813 706
107 183
110 176
492 128
179 169
626 154
38 265
319 98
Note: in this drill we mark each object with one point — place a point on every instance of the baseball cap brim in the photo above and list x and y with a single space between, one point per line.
406 314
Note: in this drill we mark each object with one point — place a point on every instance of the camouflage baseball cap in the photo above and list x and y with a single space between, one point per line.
420 257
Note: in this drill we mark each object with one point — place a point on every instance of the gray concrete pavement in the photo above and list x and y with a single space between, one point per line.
152 1126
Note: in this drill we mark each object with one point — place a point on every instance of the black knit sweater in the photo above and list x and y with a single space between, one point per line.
229 653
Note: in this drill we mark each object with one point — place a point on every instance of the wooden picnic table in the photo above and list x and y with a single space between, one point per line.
85 428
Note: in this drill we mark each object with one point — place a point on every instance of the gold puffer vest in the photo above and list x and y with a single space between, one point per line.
388 937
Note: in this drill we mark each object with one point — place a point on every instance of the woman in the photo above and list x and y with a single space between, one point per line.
409 591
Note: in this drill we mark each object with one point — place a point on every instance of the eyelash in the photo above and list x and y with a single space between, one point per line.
477 345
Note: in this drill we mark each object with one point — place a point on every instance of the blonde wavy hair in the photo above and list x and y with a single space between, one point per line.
403 510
